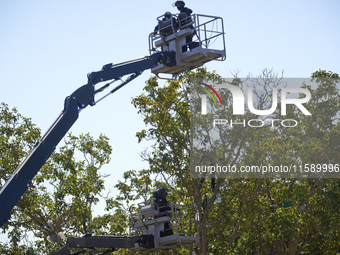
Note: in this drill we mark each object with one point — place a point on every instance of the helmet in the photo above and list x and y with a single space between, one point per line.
167 14
178 2
160 193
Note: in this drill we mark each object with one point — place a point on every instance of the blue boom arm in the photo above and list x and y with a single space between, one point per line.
21 179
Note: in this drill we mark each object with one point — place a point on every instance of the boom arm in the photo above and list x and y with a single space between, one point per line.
111 242
21 179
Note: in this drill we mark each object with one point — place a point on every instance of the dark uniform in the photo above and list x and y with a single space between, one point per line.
184 18
160 199
163 206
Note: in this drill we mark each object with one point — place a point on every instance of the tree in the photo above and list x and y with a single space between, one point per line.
61 198
305 207
256 215
17 137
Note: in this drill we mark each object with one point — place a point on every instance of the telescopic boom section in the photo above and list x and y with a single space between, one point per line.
19 182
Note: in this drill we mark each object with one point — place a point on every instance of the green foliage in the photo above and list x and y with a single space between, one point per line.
256 216
17 137
64 193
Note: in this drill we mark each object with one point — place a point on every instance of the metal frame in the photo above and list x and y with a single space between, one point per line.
151 219
208 43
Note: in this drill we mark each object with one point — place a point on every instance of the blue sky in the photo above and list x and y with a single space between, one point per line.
48 47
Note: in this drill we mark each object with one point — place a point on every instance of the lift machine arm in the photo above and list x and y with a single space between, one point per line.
19 182
172 50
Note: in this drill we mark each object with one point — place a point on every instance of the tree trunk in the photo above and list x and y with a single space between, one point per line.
203 238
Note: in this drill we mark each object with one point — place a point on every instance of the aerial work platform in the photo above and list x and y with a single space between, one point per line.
171 226
199 40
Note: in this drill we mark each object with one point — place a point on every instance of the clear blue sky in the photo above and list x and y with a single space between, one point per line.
48 47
